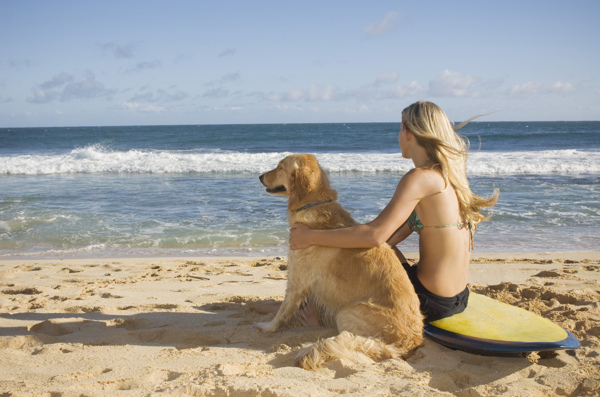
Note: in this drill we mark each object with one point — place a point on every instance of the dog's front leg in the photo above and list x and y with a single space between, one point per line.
290 308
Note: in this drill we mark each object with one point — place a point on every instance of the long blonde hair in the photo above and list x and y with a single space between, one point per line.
448 150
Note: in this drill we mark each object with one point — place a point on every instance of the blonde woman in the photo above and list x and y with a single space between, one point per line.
433 199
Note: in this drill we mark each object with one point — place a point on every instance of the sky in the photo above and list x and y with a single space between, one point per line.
126 62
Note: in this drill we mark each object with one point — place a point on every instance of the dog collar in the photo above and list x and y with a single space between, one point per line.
307 206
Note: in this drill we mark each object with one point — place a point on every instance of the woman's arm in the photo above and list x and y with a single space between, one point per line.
408 193
400 235
359 236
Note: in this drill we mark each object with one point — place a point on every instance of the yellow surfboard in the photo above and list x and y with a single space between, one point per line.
488 326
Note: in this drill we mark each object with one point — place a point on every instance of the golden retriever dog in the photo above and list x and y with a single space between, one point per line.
365 293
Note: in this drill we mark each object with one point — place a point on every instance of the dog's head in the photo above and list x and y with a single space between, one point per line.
300 178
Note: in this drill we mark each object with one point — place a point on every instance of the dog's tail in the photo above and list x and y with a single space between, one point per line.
345 345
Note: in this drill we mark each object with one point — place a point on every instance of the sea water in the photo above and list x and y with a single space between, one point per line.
194 190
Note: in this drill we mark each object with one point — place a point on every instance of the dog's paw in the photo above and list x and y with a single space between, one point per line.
265 327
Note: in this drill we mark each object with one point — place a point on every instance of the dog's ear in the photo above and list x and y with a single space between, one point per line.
307 176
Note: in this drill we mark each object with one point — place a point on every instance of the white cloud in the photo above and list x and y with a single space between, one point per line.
293 95
63 87
209 109
453 84
57 81
120 51
375 90
314 93
561 88
141 107
381 89
42 96
144 97
318 93
230 52
171 94
231 77
529 88
174 95
20 64
536 87
386 78
216 93
85 89
219 91
140 66
401 91
289 96
386 25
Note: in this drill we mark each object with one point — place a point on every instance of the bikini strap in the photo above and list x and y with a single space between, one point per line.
416 225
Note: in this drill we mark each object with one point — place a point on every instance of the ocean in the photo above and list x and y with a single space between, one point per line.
193 190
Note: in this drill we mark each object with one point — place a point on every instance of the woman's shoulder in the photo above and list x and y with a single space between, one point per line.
423 174
428 180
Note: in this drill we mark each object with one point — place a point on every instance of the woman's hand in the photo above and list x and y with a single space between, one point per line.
299 234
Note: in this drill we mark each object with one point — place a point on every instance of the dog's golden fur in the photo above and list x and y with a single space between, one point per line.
365 293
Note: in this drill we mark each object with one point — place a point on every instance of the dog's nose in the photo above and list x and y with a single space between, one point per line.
261 177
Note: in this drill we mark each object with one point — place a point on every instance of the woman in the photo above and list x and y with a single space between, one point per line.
433 199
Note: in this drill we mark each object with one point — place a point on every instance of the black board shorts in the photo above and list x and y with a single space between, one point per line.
435 307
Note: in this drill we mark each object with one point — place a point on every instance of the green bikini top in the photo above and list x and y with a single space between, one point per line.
416 225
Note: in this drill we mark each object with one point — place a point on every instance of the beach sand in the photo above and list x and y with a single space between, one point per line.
184 327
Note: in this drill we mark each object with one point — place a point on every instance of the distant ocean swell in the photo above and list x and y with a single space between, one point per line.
193 190
99 159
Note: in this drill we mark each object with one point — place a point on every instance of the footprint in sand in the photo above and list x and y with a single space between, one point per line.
22 291
191 277
108 295
130 323
126 330
62 326
82 375
547 273
69 270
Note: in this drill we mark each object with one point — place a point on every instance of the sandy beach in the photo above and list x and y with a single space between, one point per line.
184 327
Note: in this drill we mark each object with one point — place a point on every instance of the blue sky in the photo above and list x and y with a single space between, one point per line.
80 63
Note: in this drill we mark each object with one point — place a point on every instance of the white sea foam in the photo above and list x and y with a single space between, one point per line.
97 159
